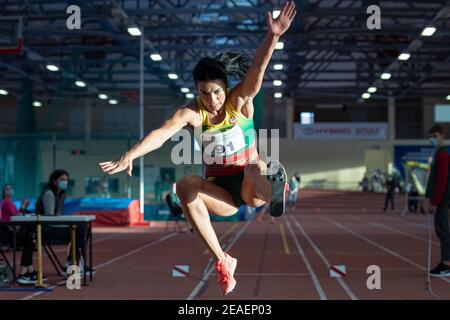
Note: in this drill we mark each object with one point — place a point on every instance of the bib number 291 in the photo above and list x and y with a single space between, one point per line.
220 149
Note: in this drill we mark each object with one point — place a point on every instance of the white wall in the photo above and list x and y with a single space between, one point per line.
339 164
330 164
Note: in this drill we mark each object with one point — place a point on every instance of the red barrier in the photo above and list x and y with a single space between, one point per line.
131 217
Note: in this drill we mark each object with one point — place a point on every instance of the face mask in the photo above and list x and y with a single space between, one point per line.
62 185
434 142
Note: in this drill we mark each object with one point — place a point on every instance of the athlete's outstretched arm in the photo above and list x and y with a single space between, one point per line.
250 86
154 140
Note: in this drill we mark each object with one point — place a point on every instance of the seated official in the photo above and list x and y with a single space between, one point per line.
51 202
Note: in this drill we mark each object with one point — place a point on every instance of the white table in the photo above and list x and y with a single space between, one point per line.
52 219
39 221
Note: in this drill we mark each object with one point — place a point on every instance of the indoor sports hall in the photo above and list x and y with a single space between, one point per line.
250 150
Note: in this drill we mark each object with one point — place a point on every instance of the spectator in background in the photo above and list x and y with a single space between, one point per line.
105 186
365 183
294 186
167 183
399 181
162 187
175 205
173 200
414 201
8 208
438 193
377 184
158 190
262 211
26 235
390 191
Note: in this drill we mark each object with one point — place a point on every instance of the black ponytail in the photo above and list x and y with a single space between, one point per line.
224 65
236 65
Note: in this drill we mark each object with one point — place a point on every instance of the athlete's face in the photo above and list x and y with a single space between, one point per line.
213 94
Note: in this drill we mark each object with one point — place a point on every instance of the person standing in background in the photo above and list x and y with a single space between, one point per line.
390 191
365 183
294 186
438 193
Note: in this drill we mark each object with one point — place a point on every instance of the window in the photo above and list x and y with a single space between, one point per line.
307 117
442 113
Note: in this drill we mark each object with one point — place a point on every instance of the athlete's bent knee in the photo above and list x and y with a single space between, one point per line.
188 187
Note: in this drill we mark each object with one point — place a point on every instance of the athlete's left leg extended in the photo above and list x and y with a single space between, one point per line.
256 189
259 188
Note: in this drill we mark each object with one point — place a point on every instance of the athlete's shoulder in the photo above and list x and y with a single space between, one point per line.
243 106
189 112
191 105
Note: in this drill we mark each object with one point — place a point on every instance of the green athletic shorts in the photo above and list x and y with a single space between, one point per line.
232 184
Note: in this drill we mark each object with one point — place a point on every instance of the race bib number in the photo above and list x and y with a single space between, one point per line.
223 144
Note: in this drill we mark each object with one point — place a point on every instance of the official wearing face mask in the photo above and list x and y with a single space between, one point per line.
51 200
8 208
438 193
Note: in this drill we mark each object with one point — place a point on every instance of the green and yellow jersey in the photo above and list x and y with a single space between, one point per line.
227 146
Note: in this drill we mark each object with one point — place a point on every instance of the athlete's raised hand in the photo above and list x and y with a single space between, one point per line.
124 163
280 25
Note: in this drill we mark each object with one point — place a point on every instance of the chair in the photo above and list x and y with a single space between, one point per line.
6 241
59 236
6 274
176 214
6 269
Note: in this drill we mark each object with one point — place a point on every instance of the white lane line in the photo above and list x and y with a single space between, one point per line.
308 265
403 220
207 274
325 260
380 246
108 262
383 226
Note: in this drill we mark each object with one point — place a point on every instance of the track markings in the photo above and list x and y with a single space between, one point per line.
108 262
283 236
383 226
203 282
380 246
327 263
314 277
